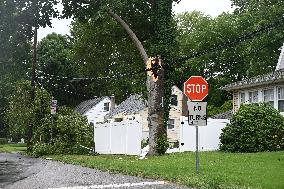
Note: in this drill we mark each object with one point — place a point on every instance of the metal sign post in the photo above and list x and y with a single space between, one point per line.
196 152
197 116
52 112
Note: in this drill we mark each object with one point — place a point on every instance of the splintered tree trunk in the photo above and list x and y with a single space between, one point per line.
155 92
155 111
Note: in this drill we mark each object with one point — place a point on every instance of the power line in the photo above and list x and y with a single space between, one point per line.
230 43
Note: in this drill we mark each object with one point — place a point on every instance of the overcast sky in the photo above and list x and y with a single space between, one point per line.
210 7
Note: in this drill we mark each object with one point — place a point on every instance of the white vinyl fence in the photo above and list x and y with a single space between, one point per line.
118 138
208 135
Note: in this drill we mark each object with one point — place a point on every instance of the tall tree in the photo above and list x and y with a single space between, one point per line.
232 46
20 20
55 67
158 17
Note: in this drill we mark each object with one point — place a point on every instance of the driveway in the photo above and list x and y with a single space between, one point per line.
20 172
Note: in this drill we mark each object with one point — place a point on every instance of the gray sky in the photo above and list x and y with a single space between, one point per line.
210 7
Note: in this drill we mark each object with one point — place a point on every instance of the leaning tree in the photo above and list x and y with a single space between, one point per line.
160 42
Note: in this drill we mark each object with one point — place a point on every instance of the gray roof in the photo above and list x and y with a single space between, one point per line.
266 79
85 106
224 115
132 104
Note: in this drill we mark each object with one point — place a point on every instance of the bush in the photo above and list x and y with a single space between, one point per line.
41 149
3 141
70 130
254 128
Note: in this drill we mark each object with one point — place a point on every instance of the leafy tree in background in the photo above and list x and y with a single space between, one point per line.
55 68
21 111
18 19
233 46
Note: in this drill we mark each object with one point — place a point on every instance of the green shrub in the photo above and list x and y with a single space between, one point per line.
41 149
3 141
254 128
70 130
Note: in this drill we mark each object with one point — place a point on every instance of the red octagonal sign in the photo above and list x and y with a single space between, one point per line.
196 88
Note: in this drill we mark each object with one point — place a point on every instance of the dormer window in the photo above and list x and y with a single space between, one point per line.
106 106
174 100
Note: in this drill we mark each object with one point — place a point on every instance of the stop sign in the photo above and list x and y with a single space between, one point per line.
196 88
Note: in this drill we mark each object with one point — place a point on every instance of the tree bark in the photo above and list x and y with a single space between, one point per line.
155 111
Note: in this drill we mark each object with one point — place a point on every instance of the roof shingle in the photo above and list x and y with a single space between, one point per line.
132 104
85 106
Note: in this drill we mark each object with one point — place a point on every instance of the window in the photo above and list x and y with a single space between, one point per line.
171 124
281 99
174 100
268 96
242 97
253 97
106 106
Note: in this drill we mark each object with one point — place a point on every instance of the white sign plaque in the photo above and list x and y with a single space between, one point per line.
197 113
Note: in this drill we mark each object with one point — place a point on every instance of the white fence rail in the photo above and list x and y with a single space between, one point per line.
208 135
118 138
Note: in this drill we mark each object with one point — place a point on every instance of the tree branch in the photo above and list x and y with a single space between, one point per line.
132 35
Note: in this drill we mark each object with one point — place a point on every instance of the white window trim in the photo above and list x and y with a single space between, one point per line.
240 102
253 91
173 124
275 104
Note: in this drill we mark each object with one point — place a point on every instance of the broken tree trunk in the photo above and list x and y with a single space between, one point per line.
155 86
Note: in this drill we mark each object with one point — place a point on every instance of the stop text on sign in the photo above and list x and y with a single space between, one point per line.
196 88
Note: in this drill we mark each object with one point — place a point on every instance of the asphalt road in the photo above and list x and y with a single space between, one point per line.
19 172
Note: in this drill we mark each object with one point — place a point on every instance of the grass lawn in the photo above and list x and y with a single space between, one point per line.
217 169
13 148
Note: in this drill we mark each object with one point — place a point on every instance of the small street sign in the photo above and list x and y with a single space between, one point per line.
196 88
54 103
53 110
197 113
53 107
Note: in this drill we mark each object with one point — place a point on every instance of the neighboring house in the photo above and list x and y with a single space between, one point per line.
135 108
96 109
178 109
264 88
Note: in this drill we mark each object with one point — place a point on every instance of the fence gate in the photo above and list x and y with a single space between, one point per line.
118 138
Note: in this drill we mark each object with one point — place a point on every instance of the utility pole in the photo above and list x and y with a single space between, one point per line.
33 78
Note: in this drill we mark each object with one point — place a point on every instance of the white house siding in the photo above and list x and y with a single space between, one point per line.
97 113
260 95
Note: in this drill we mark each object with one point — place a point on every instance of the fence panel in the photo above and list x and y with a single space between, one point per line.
118 138
208 135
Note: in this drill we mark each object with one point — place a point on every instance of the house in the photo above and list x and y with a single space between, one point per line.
135 108
263 88
95 109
